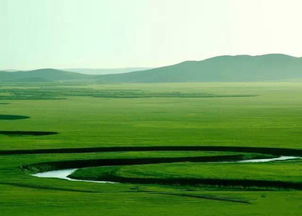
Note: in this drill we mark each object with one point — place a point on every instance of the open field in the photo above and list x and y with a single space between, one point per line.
178 126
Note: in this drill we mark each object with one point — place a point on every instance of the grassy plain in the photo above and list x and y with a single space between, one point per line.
180 114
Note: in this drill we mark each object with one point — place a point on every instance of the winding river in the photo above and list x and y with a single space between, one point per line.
65 173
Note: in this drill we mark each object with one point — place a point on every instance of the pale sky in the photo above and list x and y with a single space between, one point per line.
143 33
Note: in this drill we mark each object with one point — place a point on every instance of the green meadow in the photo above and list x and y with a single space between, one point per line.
162 144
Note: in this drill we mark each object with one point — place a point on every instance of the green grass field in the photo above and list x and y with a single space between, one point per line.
53 117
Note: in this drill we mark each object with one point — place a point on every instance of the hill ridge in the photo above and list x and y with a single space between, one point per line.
225 68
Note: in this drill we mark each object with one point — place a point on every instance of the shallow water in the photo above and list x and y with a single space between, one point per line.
63 174
281 158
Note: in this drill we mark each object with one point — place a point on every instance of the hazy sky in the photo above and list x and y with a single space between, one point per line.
146 33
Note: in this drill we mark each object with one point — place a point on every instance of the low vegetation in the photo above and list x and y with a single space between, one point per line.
172 127
13 117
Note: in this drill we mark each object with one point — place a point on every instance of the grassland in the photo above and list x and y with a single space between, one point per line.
279 175
150 115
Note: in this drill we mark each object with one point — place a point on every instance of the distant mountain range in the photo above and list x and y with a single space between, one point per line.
41 75
271 67
101 71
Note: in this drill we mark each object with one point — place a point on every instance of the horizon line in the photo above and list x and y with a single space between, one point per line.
142 67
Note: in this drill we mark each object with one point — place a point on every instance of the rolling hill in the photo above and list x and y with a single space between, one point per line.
271 67
102 71
42 75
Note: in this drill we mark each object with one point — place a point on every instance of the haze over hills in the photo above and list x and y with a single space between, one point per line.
101 71
41 75
271 67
